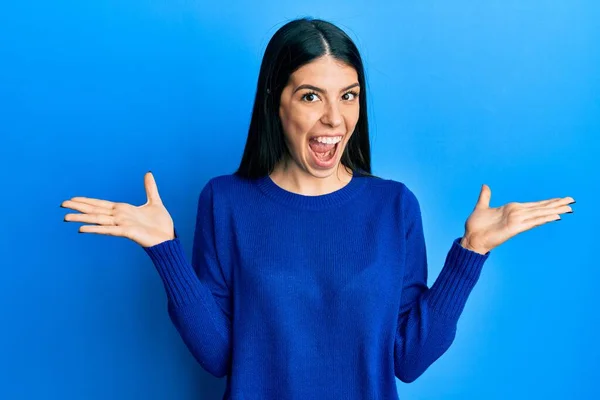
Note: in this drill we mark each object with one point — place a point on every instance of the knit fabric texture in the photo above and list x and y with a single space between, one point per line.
312 297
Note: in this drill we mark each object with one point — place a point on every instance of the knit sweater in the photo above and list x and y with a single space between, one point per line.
312 297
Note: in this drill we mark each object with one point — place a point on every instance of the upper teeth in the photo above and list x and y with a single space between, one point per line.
328 140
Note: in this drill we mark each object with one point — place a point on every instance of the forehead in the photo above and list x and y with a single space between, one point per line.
325 71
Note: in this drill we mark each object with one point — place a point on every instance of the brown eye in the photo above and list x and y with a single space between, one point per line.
353 95
309 97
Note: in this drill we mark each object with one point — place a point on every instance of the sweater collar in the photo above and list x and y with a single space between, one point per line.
300 201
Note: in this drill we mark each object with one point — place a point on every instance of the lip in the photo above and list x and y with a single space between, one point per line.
327 135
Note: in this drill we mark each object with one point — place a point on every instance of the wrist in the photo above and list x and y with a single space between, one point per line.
468 243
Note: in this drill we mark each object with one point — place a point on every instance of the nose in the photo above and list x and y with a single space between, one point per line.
332 115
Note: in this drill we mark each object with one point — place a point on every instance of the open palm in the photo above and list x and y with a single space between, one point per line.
488 227
147 225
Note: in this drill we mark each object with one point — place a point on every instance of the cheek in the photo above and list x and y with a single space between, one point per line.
353 115
301 122
350 121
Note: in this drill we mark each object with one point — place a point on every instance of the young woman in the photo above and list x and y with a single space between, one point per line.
308 278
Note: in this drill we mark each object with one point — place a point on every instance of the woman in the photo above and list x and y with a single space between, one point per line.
308 278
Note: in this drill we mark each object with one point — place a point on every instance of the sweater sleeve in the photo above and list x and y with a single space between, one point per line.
198 298
428 317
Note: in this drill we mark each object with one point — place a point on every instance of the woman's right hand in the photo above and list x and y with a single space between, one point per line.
147 225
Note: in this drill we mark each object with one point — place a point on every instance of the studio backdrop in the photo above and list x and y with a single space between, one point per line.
95 93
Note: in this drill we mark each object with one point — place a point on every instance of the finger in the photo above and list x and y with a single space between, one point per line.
100 219
551 215
540 203
545 211
151 188
533 222
550 202
86 208
94 202
484 197
104 230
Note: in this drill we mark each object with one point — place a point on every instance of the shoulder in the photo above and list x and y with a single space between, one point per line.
219 183
227 184
396 193
391 187
225 188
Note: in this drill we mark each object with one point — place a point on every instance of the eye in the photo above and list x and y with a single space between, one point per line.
309 97
353 95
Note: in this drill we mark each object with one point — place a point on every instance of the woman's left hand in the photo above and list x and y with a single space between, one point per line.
488 227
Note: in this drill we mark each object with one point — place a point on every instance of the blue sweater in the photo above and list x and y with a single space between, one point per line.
312 297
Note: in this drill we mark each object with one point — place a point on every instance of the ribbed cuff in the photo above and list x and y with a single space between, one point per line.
179 278
462 268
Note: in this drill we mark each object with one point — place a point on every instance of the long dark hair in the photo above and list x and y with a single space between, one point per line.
296 43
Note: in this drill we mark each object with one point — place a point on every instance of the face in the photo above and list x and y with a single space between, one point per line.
319 101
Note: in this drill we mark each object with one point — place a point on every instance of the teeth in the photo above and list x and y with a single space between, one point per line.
328 140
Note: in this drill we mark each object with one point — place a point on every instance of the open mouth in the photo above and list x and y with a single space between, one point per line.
327 155
323 153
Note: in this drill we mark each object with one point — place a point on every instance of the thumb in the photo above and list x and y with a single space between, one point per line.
484 197
151 189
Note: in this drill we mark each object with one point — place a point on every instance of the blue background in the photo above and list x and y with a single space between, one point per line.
94 94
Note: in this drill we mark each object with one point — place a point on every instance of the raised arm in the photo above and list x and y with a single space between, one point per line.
428 317
197 293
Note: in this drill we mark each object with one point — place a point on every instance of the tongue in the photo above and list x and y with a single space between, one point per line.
319 147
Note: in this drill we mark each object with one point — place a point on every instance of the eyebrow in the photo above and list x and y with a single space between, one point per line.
317 89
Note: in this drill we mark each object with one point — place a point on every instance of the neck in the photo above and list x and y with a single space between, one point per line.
292 178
